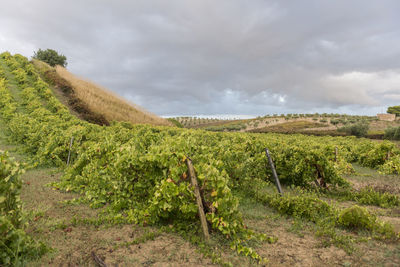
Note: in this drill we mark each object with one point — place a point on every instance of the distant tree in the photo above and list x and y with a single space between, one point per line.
359 129
51 57
394 110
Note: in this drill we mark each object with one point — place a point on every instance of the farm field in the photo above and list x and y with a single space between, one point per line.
126 196
314 124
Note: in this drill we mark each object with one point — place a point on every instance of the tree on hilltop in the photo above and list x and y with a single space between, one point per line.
394 110
51 57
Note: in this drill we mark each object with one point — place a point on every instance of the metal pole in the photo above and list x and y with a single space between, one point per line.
271 163
69 153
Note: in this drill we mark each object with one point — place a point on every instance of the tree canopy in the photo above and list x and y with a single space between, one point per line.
51 57
394 110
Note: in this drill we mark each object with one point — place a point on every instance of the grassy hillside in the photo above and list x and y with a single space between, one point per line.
93 102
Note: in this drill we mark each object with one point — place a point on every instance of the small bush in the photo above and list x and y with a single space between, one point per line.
356 217
392 133
335 122
358 129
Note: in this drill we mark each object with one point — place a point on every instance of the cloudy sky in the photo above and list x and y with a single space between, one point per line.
181 57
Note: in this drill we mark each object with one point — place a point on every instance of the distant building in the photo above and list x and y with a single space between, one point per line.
386 117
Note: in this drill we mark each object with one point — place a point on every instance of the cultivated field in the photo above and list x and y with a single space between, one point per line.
127 198
316 124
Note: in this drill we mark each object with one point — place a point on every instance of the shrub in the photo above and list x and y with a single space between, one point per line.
51 57
392 133
335 122
358 129
357 218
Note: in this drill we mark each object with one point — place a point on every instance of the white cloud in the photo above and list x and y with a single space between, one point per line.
362 88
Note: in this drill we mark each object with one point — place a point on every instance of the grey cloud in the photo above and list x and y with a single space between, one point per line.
234 57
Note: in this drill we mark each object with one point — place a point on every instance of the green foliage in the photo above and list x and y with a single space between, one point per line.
16 247
392 133
359 129
335 121
51 57
391 166
175 122
394 110
369 196
20 75
377 155
306 206
10 187
230 127
356 217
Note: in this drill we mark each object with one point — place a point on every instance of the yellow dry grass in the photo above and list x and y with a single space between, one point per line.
111 106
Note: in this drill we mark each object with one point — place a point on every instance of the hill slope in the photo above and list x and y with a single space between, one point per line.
93 102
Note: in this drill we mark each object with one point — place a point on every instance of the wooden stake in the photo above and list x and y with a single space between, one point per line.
336 154
70 147
193 180
99 261
271 163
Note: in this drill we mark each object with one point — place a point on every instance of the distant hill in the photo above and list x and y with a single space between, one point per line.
92 102
314 124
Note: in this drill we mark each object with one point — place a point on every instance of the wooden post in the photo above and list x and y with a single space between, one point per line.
199 201
336 154
271 163
99 261
70 147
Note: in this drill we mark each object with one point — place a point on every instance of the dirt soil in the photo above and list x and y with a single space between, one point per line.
73 243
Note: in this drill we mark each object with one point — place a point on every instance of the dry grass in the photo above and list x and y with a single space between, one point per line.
291 127
101 101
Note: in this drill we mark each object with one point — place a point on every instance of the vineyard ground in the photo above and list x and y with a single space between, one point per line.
73 231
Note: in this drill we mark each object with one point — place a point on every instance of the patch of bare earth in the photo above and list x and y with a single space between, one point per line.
165 250
73 241
292 249
366 177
